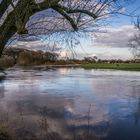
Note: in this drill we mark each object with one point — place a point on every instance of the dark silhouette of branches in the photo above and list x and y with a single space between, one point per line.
134 43
62 15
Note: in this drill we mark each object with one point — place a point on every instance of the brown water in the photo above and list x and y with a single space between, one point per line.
103 103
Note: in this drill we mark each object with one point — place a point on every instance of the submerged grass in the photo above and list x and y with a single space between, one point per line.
115 66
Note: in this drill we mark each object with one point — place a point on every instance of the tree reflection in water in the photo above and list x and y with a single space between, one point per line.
39 125
53 105
137 113
1 87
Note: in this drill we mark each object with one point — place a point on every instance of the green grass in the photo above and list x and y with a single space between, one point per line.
121 66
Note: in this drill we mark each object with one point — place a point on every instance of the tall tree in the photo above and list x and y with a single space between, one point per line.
134 42
15 15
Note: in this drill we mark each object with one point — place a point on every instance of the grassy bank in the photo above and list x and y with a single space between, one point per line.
117 66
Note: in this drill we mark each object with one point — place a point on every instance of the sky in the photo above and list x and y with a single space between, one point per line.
113 44
110 43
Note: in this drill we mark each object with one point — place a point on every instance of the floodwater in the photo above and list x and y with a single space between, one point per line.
94 103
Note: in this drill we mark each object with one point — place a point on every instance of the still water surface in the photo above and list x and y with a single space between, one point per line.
105 103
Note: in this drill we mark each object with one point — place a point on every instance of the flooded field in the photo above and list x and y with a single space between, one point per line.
72 104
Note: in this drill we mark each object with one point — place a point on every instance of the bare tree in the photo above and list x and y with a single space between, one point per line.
134 43
16 16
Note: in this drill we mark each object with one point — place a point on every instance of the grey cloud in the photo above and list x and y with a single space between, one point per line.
37 45
105 55
114 37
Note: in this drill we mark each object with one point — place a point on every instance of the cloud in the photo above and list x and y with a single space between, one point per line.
37 45
108 54
114 37
112 43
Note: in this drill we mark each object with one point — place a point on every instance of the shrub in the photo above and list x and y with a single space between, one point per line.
6 61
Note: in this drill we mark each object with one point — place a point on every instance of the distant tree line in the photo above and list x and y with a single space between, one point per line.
23 57
95 59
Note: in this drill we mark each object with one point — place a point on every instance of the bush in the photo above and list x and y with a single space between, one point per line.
4 135
24 59
6 62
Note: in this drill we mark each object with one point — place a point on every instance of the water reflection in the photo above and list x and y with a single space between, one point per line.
137 113
58 102
2 86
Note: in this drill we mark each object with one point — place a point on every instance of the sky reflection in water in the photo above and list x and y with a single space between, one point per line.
67 94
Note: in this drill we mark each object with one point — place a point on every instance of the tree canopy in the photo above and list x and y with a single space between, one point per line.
16 16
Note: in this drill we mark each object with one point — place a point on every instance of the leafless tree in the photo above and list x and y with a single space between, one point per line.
134 43
35 17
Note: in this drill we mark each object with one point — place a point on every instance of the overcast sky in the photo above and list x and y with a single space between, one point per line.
111 42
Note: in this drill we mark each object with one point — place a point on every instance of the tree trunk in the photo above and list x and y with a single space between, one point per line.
7 31
16 21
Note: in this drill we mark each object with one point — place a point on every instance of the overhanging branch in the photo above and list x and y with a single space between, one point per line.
3 6
67 17
76 10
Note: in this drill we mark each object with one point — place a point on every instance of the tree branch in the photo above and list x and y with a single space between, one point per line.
72 11
3 6
67 17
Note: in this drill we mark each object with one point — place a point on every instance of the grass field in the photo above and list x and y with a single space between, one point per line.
121 66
